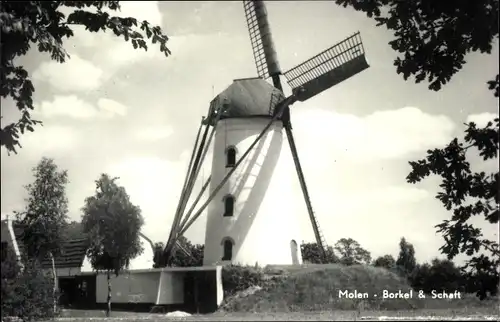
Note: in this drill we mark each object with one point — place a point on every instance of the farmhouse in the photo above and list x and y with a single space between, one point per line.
192 289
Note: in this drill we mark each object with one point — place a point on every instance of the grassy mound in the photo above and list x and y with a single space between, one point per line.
316 288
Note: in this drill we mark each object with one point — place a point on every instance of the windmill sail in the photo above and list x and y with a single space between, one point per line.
328 68
264 53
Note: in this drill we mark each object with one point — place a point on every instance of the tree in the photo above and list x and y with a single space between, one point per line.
45 215
43 23
440 275
350 252
158 259
311 254
467 194
112 225
386 261
406 261
179 258
73 230
433 38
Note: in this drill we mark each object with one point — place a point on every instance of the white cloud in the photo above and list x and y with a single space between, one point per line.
74 107
112 52
355 169
141 10
481 119
380 135
70 106
110 107
49 139
154 133
154 185
391 194
75 75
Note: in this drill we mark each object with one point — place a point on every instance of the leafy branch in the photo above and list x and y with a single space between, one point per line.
432 38
41 23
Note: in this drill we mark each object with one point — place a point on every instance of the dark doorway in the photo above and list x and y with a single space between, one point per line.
228 250
77 291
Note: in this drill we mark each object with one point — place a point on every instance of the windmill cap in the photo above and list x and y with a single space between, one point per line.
249 97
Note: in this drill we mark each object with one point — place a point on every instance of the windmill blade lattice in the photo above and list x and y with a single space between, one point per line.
328 68
260 37
256 40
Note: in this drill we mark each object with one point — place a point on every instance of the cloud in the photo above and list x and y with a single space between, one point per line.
399 194
355 169
49 139
75 75
154 185
140 10
481 119
380 135
111 108
70 106
111 52
154 133
74 107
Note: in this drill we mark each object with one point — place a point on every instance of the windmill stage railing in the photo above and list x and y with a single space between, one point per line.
329 67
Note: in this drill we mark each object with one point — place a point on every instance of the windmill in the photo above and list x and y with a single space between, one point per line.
246 123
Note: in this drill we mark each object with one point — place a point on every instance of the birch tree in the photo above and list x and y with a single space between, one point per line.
45 215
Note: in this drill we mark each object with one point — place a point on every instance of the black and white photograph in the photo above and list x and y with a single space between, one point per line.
250 160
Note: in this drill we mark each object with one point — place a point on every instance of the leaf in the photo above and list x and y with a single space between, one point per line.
434 39
42 25
112 224
459 185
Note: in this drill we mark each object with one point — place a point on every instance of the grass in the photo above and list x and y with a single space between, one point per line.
311 294
316 288
482 314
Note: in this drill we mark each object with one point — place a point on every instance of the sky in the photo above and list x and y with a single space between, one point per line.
135 114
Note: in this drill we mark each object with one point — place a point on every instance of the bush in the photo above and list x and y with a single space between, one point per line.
440 276
239 278
311 253
386 261
484 284
26 294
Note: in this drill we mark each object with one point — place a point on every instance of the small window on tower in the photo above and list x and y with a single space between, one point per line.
228 206
230 157
228 249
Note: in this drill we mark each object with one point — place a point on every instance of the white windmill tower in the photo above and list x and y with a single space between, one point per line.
246 122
